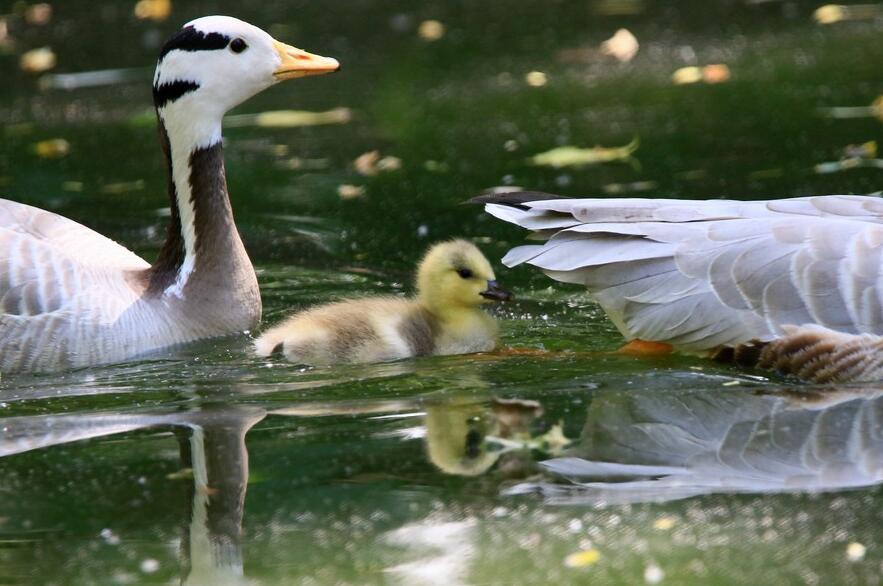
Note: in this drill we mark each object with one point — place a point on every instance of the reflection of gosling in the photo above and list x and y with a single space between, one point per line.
454 279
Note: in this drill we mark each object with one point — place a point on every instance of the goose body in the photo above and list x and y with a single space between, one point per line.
70 297
454 280
702 275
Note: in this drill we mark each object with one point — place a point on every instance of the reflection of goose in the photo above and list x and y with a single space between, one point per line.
701 275
663 446
71 297
212 445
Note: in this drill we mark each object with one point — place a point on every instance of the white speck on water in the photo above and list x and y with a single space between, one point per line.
855 551
149 565
109 537
422 231
500 512
653 574
575 526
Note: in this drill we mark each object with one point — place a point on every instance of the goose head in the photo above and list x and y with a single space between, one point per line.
455 275
215 63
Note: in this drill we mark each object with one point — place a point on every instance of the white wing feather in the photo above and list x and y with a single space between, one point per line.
52 269
708 273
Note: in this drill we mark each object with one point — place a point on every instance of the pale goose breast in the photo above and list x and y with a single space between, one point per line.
702 275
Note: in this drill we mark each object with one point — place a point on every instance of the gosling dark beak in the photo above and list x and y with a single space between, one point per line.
496 293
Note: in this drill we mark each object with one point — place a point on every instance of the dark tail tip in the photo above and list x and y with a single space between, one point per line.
513 198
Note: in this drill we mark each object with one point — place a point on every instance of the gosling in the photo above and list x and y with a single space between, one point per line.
454 280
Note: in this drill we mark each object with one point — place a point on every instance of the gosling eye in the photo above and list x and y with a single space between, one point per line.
464 273
238 45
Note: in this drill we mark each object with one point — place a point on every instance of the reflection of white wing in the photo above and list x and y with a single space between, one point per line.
701 274
656 447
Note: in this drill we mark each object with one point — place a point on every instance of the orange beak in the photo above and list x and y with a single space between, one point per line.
299 63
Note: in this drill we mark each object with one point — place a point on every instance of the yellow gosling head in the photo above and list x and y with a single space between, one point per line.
455 275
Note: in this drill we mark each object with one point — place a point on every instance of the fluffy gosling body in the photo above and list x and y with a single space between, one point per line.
454 280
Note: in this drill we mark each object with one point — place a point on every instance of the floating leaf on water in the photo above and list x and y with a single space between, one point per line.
366 163
431 30
38 60
686 75
38 14
664 523
347 191
72 186
622 45
389 163
877 108
52 149
102 77
299 164
714 73
571 156
833 13
290 118
371 163
156 10
866 150
846 164
582 559
536 79
855 551
123 187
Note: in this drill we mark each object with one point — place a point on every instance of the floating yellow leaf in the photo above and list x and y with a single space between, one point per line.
714 73
350 191
622 45
833 13
157 10
290 118
38 60
53 148
582 559
371 163
571 156
877 108
536 79
431 30
664 523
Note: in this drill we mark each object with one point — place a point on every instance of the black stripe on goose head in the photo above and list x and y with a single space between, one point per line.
190 39
169 92
187 39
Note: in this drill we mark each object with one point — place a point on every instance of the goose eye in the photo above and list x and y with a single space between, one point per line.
464 273
238 45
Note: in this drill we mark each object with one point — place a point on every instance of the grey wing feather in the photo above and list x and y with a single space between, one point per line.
705 273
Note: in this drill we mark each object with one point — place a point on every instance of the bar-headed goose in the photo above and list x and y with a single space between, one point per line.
704 276
454 280
70 297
